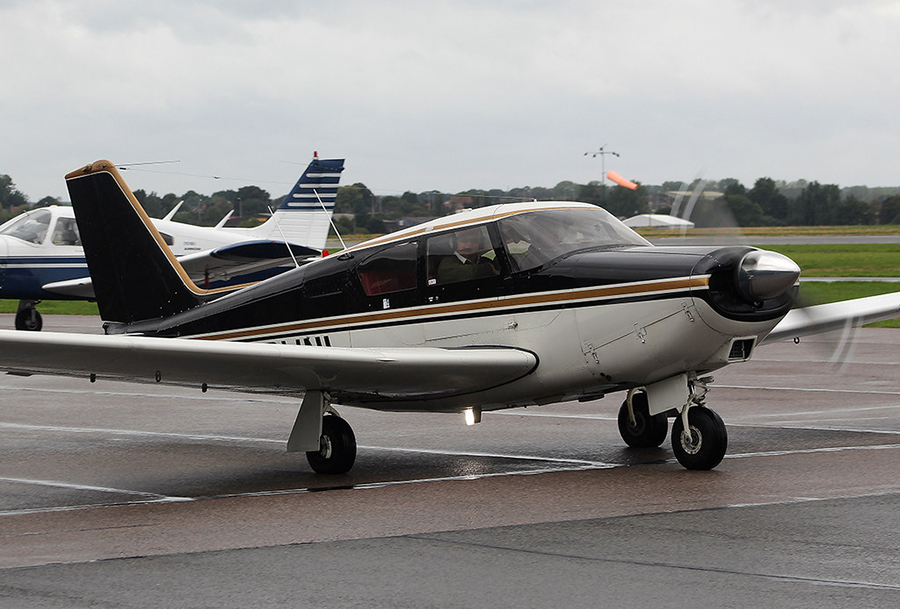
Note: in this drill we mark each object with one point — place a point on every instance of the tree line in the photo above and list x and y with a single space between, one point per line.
358 210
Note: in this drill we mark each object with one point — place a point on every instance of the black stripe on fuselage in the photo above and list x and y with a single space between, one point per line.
474 309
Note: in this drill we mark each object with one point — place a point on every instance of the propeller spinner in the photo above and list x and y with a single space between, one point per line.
762 275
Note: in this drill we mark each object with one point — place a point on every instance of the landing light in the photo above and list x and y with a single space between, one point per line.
473 415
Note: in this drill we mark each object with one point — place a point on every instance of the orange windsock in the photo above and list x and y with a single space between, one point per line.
612 175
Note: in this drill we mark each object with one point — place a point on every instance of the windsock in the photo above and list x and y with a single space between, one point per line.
612 175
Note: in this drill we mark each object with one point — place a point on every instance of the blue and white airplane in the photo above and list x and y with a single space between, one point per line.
41 257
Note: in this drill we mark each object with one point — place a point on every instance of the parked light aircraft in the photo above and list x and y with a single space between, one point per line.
41 257
504 306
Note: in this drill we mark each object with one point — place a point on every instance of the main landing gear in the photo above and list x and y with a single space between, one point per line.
337 447
699 438
325 437
28 317
637 427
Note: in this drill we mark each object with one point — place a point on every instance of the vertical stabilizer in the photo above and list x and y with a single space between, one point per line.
135 275
304 215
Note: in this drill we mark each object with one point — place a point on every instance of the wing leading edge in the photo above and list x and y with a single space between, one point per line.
354 376
835 315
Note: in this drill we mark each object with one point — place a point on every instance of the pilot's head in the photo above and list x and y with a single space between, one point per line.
469 242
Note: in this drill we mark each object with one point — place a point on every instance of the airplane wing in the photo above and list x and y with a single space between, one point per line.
242 258
223 263
835 315
364 375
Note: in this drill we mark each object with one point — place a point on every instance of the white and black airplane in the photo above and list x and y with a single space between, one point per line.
500 307
41 257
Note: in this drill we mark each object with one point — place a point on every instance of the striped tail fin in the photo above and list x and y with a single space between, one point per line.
304 215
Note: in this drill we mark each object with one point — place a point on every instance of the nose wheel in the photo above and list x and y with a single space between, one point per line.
699 437
27 317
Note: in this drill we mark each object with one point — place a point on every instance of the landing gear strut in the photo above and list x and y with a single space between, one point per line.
699 438
27 317
326 438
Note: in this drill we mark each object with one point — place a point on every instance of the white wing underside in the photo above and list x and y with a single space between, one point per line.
373 374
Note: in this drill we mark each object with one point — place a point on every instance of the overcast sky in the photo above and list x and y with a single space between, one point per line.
449 95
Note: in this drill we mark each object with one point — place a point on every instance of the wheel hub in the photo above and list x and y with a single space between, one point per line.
325 448
637 428
691 440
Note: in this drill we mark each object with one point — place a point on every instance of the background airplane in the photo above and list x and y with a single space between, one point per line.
579 307
41 257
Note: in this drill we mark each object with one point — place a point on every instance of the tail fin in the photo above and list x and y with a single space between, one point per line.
135 275
304 216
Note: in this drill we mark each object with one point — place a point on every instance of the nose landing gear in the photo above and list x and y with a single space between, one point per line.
28 317
699 437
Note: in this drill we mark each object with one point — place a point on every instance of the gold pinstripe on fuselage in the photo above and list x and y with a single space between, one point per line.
500 304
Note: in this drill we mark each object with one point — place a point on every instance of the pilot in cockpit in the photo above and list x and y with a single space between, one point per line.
468 260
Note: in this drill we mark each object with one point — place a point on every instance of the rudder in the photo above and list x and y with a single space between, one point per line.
135 275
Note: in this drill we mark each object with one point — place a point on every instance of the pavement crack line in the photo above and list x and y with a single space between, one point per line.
665 565
91 488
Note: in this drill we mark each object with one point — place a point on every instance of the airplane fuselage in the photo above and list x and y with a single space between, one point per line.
600 317
505 306
37 248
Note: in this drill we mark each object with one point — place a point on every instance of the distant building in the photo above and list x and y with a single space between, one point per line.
657 221
401 223
458 202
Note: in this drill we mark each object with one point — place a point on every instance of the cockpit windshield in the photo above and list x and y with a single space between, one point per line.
534 238
30 226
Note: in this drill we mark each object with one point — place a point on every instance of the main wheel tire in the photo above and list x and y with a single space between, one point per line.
29 319
337 447
647 431
703 446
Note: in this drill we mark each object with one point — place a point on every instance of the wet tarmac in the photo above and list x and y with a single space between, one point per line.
124 495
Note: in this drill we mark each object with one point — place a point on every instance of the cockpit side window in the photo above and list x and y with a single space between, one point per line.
390 270
66 232
31 227
535 238
462 255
